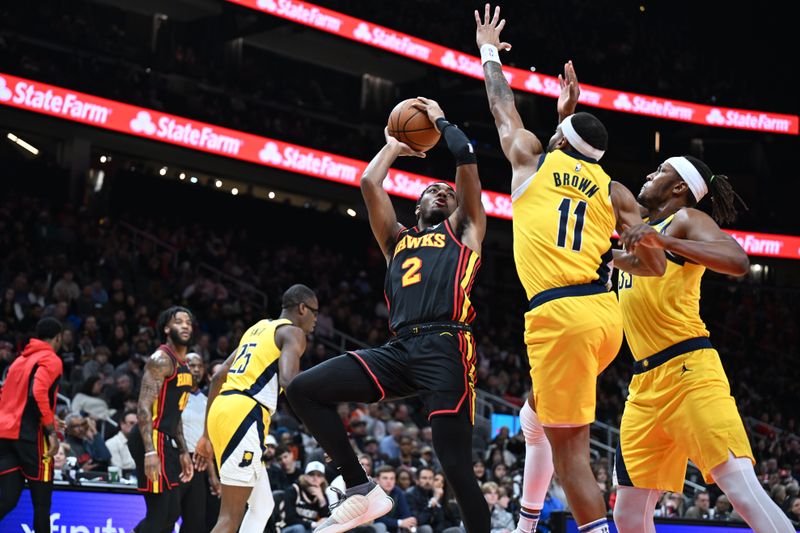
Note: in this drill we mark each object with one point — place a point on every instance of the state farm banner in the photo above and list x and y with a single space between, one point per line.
162 127
150 124
433 54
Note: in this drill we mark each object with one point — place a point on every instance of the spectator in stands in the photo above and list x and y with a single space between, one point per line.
86 444
288 464
499 472
371 449
428 459
66 289
90 401
99 364
479 468
671 504
306 502
390 445
701 507
60 461
502 521
794 511
277 477
400 515
358 432
423 504
722 508
405 478
118 444
406 457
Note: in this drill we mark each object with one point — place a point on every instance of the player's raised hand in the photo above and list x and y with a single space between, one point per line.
488 30
404 149
570 91
430 107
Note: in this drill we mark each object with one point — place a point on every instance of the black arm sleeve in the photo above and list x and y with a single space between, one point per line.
457 142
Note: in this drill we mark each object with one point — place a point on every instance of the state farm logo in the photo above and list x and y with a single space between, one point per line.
623 102
533 83
716 117
143 123
270 154
5 92
362 33
449 60
268 5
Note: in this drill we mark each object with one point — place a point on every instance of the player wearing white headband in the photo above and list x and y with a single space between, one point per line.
565 209
679 405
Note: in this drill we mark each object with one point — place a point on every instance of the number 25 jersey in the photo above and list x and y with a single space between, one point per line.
563 221
429 277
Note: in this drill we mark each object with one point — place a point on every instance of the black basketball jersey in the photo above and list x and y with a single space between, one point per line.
173 396
429 278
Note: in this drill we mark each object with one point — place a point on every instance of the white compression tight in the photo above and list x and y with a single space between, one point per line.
738 481
633 512
634 509
538 459
259 506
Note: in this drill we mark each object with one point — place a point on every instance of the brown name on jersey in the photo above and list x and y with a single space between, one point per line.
585 185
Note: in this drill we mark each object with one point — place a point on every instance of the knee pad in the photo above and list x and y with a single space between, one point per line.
532 427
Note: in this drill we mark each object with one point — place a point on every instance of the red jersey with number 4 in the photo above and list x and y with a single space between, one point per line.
429 278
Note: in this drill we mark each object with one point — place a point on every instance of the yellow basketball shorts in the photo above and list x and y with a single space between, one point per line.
680 410
237 427
570 340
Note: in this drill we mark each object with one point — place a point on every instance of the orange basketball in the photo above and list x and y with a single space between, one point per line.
411 126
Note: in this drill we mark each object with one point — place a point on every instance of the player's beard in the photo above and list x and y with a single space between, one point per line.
175 337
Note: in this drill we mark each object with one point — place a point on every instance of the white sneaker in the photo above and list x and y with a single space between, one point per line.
357 509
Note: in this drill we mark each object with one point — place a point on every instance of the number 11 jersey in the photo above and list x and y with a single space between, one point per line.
563 222
430 277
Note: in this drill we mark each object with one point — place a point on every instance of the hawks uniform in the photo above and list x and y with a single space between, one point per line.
428 285
167 409
563 221
679 404
239 417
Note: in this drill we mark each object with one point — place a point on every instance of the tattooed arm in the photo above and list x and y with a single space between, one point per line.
521 147
158 367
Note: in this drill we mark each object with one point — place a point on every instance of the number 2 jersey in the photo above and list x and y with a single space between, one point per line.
429 278
563 222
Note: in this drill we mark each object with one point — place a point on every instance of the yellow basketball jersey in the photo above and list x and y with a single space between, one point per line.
659 312
254 370
563 221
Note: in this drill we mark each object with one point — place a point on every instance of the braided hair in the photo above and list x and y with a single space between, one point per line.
723 197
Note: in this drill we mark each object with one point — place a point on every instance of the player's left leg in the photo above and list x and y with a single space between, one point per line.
259 506
234 501
633 512
41 497
738 481
452 441
11 485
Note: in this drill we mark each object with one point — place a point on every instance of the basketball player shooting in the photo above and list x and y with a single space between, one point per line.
431 268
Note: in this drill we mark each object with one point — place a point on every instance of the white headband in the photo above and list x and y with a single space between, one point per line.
690 175
577 141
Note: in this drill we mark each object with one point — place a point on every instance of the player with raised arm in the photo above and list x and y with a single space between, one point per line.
565 210
430 271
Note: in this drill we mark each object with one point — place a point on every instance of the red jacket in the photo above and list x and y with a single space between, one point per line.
28 396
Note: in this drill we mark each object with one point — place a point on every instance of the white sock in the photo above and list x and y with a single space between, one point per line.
598 526
259 506
538 460
738 481
633 512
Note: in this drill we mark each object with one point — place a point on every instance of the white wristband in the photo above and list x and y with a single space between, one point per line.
151 453
489 53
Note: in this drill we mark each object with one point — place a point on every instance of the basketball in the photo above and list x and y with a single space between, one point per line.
411 126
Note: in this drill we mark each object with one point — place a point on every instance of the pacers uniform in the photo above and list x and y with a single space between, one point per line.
167 409
563 221
679 404
427 287
239 417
